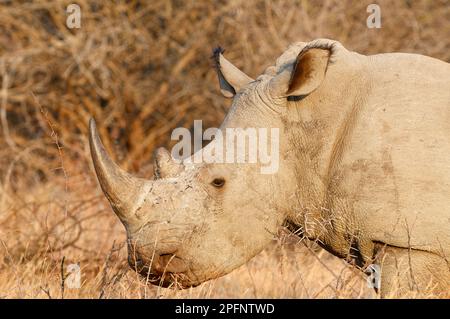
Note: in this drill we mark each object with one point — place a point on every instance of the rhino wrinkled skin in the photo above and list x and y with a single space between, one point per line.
363 170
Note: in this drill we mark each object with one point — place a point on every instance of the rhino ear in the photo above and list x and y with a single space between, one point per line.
304 76
231 79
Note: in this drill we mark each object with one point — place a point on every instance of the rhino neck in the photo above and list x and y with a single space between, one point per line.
320 129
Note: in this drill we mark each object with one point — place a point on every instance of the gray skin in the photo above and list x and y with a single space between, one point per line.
363 170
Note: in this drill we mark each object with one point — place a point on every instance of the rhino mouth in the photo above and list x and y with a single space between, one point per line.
166 270
173 280
168 279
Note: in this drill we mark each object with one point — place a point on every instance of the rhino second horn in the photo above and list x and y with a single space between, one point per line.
165 166
121 188
235 77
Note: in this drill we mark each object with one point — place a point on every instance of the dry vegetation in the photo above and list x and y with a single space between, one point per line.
142 68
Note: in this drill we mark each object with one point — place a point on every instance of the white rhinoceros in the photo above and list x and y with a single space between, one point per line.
364 170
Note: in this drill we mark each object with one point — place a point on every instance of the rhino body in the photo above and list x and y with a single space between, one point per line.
363 170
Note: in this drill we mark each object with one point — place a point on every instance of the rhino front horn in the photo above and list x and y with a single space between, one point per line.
121 188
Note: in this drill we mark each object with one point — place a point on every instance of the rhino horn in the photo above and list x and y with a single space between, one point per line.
121 188
231 79
165 166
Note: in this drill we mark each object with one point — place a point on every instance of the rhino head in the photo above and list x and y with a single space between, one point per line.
199 221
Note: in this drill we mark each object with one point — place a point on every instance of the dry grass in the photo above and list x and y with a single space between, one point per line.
142 69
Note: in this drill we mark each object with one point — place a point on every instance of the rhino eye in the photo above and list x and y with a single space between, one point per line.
218 182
